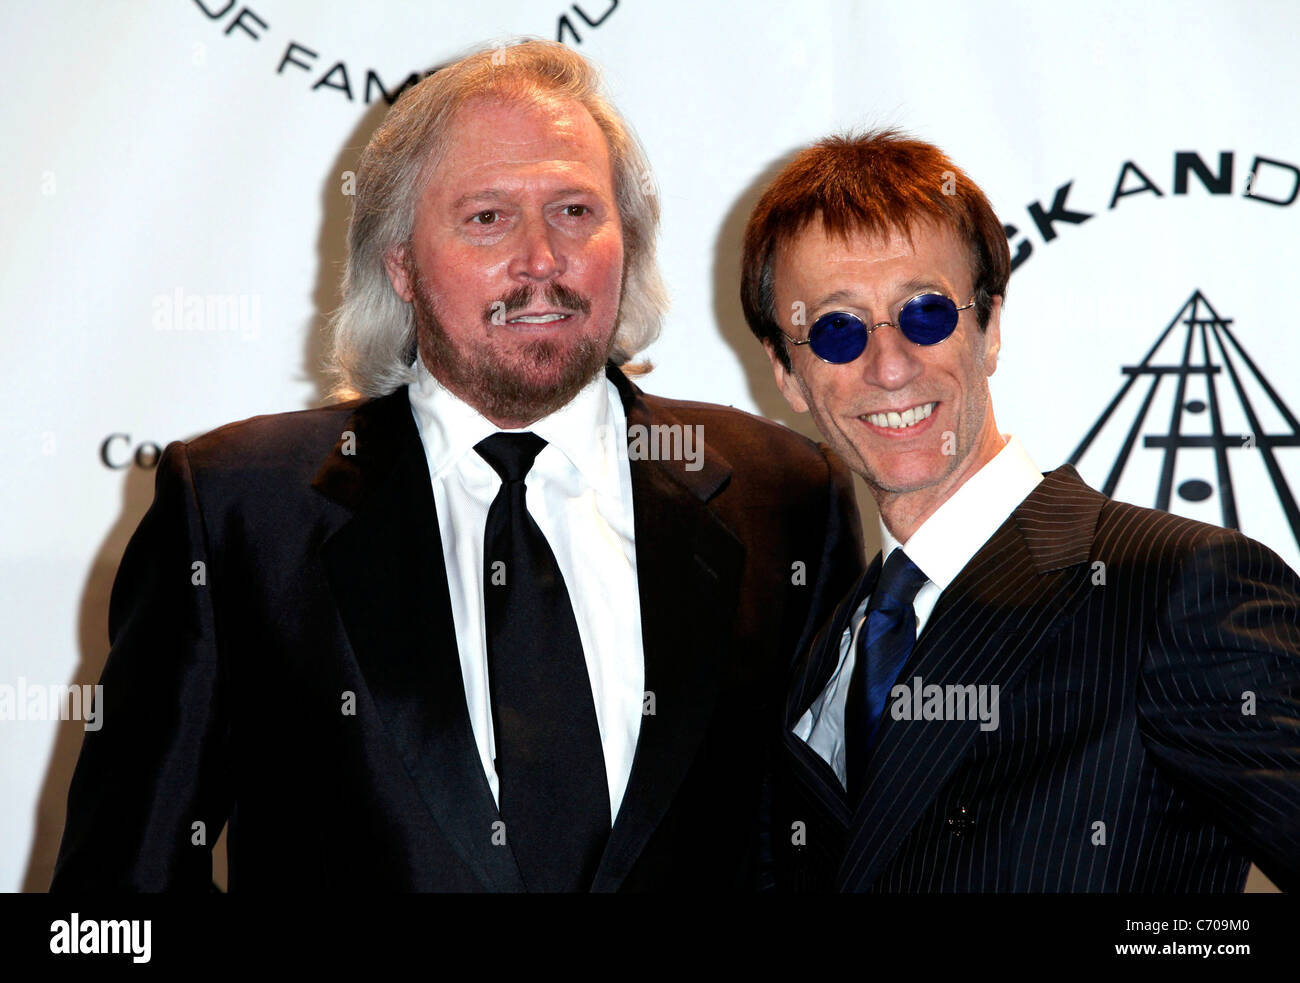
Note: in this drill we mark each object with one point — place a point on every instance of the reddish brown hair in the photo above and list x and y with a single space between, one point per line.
872 183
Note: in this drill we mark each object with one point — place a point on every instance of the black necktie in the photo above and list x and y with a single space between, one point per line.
554 798
885 641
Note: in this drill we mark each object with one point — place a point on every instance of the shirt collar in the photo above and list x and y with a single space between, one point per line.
588 429
946 541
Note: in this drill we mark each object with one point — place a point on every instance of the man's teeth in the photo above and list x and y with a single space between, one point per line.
896 421
537 318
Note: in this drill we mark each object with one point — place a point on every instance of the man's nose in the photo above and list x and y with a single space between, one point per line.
890 362
537 254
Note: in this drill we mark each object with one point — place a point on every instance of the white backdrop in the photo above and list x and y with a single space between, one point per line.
163 154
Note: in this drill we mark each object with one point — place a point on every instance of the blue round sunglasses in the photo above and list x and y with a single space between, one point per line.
840 337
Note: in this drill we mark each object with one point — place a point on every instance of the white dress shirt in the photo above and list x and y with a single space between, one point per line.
941 547
579 492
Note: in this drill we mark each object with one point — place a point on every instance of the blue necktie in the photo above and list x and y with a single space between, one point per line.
884 643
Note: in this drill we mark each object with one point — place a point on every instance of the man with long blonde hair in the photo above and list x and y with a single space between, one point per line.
498 621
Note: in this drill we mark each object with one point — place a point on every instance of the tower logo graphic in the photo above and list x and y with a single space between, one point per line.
1226 419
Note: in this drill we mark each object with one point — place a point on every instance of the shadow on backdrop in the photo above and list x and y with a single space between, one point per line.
137 494
735 331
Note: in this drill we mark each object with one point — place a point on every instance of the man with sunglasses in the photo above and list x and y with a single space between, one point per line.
1033 687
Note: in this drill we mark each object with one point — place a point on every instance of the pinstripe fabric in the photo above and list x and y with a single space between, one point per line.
1120 704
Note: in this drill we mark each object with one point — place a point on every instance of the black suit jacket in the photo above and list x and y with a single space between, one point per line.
1129 646
292 563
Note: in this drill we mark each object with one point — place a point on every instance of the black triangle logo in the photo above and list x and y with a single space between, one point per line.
1209 348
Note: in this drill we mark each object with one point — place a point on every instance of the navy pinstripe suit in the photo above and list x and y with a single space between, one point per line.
1126 757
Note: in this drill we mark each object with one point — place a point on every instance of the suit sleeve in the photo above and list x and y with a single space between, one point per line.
156 766
838 568
1219 704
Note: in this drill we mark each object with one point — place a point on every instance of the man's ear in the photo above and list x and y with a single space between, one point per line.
993 336
786 381
395 265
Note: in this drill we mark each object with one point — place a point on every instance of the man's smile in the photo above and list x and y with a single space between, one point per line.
906 422
536 318
540 321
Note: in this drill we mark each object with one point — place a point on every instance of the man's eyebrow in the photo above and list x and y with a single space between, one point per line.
499 194
486 194
918 285
577 189
839 296
906 290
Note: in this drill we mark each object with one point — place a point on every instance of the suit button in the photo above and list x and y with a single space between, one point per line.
960 821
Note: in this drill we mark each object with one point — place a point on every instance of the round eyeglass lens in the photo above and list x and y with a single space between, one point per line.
928 319
838 337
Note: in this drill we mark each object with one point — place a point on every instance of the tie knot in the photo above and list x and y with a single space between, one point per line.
510 454
899 581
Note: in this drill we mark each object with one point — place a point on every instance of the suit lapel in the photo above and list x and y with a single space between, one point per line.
689 566
991 623
825 651
385 567
812 771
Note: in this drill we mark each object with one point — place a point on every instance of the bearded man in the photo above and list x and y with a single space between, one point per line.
499 621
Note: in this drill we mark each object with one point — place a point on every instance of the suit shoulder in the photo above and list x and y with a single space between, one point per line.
1160 544
272 440
744 436
1127 528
